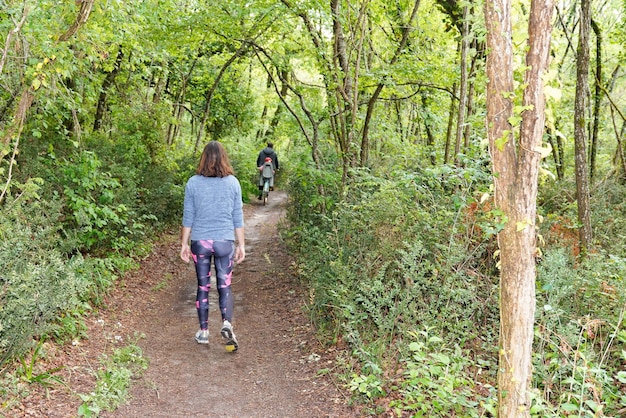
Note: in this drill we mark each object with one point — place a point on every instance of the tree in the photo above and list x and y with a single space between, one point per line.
515 168
12 129
580 135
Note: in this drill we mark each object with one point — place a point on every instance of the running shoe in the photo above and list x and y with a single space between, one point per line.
202 336
229 336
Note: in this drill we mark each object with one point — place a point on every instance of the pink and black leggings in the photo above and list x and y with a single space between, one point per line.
222 252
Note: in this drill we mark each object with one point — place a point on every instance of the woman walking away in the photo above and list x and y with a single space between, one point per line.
213 222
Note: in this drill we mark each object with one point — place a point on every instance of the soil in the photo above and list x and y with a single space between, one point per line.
278 370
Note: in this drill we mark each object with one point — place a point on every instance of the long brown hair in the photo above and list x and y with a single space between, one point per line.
214 161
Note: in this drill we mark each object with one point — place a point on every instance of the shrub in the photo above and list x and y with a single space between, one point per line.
38 281
580 337
440 380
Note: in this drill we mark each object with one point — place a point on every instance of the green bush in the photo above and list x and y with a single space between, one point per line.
38 281
440 380
392 254
580 337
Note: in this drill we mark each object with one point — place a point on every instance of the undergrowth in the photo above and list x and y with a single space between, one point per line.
113 380
402 272
42 287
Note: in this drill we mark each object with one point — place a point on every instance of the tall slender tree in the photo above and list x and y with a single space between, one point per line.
580 132
515 168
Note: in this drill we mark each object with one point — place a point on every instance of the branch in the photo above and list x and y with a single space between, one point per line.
81 19
613 104
282 99
20 115
12 32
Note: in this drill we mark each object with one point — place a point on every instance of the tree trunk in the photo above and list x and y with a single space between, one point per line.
283 93
463 90
406 30
597 103
446 154
430 138
515 192
556 143
15 131
580 140
106 83
262 130
470 98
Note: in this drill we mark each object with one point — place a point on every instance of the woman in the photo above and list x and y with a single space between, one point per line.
213 222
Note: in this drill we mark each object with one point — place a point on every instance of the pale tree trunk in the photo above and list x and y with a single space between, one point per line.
262 130
580 136
345 97
15 132
430 137
470 97
515 193
279 108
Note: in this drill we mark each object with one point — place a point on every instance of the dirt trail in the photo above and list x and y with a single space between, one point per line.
273 374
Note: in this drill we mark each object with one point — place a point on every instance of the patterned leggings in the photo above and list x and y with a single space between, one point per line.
222 252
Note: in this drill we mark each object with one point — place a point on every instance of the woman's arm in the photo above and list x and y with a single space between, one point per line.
185 251
240 250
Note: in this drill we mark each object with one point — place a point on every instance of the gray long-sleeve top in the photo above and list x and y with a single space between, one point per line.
213 207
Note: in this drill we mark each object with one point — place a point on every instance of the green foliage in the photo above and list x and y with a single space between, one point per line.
242 155
391 254
34 274
439 380
40 284
580 335
369 384
113 380
90 195
27 370
379 255
149 186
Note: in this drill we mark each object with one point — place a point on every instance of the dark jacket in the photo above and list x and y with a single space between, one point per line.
267 152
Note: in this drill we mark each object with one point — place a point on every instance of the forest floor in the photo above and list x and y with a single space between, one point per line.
278 370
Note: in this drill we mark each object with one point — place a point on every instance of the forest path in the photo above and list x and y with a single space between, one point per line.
274 372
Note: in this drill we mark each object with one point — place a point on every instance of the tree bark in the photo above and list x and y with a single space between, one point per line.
597 102
15 132
9 38
467 132
81 19
580 136
515 193
463 88
430 137
262 130
450 125
106 83
284 74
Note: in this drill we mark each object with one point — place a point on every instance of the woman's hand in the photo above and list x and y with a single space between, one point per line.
240 253
185 252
